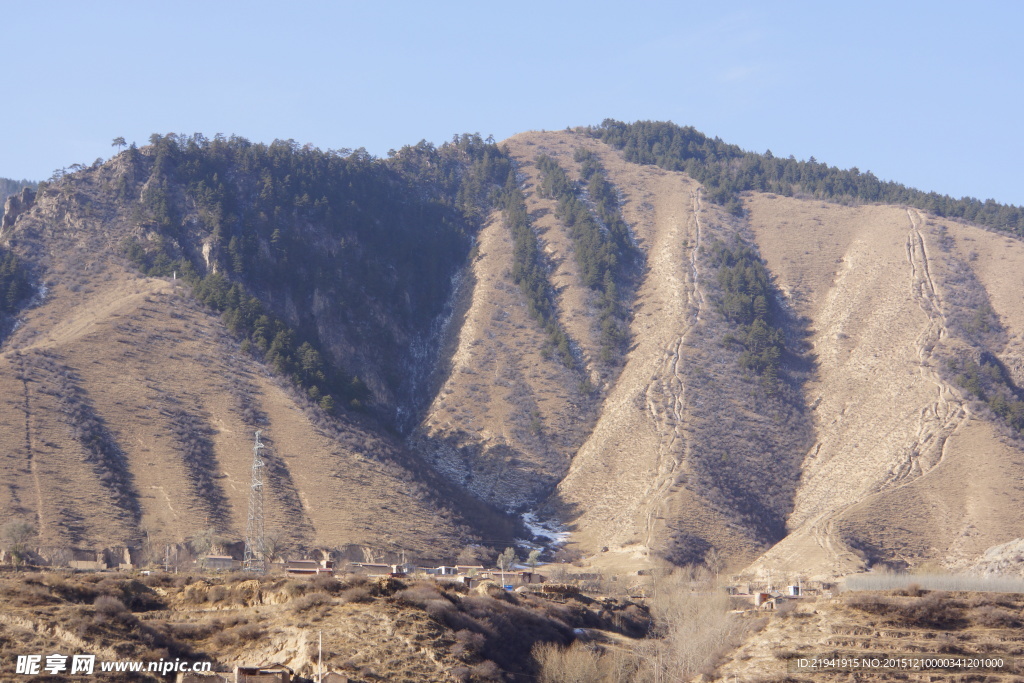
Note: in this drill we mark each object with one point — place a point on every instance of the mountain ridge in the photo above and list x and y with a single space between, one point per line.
474 348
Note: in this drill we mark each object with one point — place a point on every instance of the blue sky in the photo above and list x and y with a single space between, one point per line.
928 94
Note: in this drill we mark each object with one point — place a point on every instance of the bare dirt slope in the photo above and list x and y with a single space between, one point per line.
859 462
900 461
508 416
624 490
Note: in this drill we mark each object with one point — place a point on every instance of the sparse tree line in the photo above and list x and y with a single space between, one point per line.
726 170
988 381
749 423
602 244
15 284
9 187
192 436
100 448
530 272
969 315
746 299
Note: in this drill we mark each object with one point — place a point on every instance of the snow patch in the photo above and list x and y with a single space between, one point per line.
553 533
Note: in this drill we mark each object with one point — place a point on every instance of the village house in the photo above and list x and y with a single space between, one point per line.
219 562
309 567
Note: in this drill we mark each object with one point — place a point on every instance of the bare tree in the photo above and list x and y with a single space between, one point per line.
471 554
714 561
60 556
694 623
506 561
573 664
274 544
202 543
16 535
533 559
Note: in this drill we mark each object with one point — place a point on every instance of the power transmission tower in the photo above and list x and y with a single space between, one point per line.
254 559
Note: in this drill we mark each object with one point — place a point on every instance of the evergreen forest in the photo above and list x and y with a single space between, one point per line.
726 170
295 234
9 187
746 299
602 244
15 285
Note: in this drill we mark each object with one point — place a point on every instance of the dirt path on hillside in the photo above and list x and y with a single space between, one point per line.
505 420
883 413
947 413
33 466
639 440
668 389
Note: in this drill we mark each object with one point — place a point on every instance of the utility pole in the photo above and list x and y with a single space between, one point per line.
254 559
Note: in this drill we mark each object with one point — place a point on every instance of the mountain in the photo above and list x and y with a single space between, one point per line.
135 404
682 351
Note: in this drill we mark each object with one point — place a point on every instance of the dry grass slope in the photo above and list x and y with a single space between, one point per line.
898 624
131 410
903 469
383 630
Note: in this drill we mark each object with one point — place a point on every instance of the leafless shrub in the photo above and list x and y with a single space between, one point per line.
576 663
948 645
192 631
230 620
310 600
439 606
991 599
31 593
935 610
871 604
785 608
420 594
326 583
487 671
356 594
109 606
294 589
990 616
913 590
238 635
467 643
80 623
351 580
386 586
